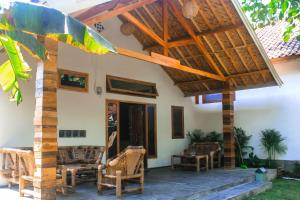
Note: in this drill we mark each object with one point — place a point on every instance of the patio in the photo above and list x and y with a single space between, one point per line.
199 57
164 183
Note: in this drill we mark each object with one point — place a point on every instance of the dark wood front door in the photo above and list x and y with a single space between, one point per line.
129 121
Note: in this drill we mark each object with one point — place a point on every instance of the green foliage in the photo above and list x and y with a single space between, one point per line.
241 144
58 26
14 69
26 21
272 143
198 135
296 169
263 13
253 160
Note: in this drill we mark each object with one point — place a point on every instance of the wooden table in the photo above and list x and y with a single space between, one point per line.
77 169
197 164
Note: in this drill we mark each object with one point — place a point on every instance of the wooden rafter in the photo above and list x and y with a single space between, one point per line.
188 40
144 28
165 26
233 21
115 12
196 82
219 41
161 29
197 40
250 73
264 71
167 62
159 26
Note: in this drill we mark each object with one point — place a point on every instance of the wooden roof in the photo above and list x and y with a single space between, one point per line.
218 40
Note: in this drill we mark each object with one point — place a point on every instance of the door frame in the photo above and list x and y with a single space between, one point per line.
107 101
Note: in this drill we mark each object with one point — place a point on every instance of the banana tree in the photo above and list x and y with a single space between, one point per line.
21 23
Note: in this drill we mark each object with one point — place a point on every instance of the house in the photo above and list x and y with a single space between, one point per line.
98 95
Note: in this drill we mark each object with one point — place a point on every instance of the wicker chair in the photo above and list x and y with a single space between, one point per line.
27 168
128 165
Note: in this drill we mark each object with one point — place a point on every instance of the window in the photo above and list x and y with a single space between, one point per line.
71 80
130 86
151 128
177 122
213 98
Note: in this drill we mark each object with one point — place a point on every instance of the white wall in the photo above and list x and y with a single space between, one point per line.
87 110
273 107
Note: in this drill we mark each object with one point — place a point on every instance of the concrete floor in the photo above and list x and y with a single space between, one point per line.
160 184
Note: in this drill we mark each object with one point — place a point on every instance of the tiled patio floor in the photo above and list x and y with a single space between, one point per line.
160 184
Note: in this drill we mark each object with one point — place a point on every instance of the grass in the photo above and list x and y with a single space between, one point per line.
281 190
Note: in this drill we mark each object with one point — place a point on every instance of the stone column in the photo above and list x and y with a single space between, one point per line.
45 124
228 124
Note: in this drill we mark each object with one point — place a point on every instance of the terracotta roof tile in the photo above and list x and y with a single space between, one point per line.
271 39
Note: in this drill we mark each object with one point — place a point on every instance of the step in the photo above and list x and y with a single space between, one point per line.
212 190
239 192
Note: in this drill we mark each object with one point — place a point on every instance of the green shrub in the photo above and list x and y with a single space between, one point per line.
253 160
272 143
198 135
241 145
296 170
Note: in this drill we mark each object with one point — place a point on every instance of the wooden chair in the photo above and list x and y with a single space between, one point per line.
128 165
10 167
212 149
27 168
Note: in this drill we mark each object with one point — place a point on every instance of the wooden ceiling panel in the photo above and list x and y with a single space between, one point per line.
207 14
219 12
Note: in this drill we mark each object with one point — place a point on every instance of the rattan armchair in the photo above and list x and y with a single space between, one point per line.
128 165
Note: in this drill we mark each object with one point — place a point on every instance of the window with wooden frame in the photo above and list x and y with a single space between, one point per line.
131 87
72 80
177 113
213 98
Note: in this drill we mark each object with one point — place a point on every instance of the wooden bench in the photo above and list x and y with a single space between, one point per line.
192 156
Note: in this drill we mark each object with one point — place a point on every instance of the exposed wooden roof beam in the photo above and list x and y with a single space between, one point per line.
197 40
144 28
167 62
250 73
165 20
188 40
229 77
207 80
221 89
115 12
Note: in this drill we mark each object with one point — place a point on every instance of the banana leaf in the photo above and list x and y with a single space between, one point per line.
29 42
25 21
41 20
14 69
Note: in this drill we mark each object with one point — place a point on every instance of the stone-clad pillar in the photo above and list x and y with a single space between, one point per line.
45 124
228 125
